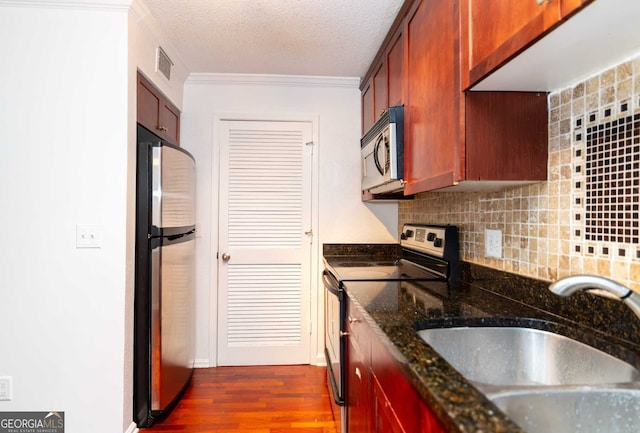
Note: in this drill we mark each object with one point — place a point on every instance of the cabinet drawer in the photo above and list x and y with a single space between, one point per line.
359 330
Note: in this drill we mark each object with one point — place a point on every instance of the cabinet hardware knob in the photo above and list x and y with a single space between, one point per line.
344 334
163 129
352 320
540 2
226 257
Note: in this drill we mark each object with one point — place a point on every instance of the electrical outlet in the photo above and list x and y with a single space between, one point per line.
493 243
5 388
88 236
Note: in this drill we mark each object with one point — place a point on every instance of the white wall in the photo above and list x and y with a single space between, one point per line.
64 142
340 215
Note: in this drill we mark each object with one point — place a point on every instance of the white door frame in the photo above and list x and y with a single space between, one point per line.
315 302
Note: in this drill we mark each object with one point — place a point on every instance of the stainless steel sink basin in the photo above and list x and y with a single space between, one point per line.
525 357
573 410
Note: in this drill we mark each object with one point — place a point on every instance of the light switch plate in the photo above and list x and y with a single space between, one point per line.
493 243
6 390
88 236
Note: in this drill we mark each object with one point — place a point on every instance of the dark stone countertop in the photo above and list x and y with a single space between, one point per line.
485 297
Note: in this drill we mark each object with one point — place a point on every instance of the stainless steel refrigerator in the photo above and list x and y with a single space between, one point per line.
164 293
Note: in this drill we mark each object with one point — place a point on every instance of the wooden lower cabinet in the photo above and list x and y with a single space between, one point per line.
359 407
385 417
428 421
379 397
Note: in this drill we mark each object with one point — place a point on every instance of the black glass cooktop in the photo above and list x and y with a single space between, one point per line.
345 270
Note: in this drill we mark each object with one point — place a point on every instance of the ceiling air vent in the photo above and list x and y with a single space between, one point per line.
163 63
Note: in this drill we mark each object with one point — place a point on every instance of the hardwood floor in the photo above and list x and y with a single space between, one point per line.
264 399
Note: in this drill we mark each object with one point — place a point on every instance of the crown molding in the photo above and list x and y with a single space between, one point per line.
139 9
107 5
274 80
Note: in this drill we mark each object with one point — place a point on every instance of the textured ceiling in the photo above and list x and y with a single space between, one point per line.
290 37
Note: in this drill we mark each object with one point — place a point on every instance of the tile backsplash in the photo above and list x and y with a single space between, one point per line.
585 218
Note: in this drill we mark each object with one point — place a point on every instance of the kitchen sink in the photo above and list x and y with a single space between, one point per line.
590 410
524 357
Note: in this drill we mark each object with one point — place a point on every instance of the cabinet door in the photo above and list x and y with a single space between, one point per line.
400 394
432 117
506 136
386 420
380 90
500 29
358 390
395 69
169 123
148 104
367 106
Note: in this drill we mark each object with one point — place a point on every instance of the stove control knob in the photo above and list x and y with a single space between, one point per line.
408 234
437 242
431 236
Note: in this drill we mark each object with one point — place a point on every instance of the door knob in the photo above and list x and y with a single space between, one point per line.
226 257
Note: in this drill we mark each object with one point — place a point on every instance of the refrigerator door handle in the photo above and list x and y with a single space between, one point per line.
159 232
171 240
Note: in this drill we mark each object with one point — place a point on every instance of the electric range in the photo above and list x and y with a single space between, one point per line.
429 256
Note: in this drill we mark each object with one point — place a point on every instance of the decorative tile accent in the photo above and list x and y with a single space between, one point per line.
613 181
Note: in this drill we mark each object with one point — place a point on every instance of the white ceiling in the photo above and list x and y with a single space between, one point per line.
288 37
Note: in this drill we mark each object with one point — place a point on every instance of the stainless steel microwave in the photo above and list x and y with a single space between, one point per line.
382 149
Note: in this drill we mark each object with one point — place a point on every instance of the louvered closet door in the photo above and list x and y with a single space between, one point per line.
265 209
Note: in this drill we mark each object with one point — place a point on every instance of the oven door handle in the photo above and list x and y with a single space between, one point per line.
331 283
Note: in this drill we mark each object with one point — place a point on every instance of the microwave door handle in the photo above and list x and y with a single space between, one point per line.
387 155
376 149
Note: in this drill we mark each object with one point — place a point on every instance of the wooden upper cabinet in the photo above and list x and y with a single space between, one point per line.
506 136
170 121
384 86
367 106
156 113
455 138
395 69
380 91
432 108
495 31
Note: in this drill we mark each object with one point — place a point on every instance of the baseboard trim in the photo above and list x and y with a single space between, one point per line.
133 428
201 363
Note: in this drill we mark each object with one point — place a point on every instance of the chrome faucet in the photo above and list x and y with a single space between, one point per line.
600 286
